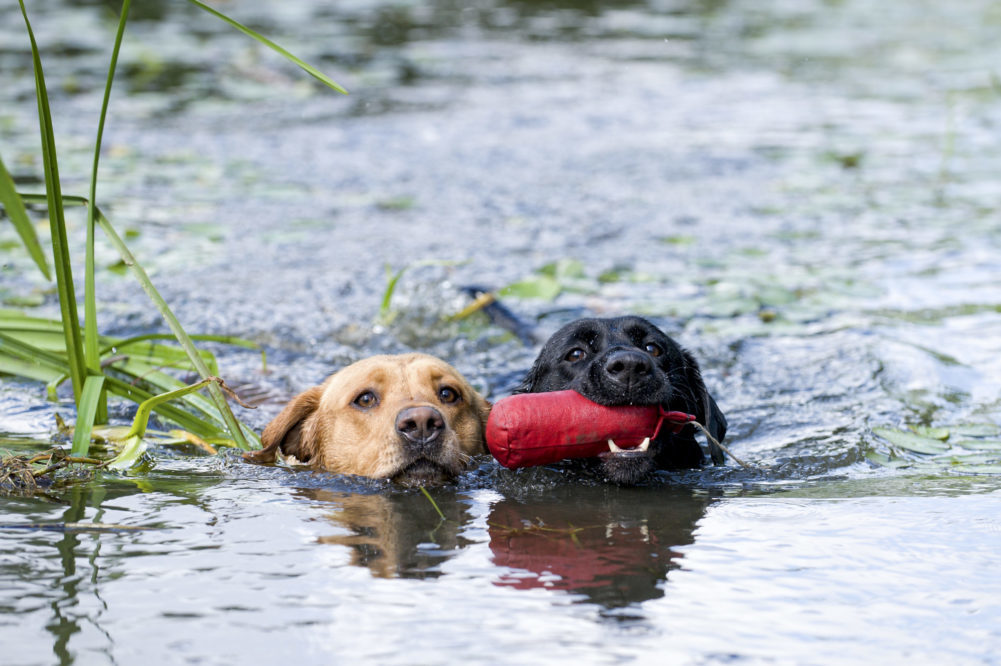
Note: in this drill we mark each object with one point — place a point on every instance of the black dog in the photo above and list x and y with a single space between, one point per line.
629 361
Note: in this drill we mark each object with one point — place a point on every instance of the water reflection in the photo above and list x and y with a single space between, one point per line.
397 534
65 590
615 546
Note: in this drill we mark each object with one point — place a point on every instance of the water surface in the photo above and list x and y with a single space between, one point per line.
802 194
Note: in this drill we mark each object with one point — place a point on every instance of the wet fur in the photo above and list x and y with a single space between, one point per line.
324 426
675 382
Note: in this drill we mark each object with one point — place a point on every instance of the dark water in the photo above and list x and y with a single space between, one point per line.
804 194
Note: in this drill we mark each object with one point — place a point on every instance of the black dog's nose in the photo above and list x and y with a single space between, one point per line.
419 425
628 367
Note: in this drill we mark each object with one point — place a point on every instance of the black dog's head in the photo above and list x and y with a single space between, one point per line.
629 361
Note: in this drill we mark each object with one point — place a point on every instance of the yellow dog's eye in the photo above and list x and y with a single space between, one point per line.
366 400
653 349
448 395
576 354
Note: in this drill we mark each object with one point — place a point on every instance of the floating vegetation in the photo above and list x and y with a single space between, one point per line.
962 449
27 472
386 313
550 281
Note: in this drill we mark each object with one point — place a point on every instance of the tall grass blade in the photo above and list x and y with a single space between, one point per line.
198 337
92 353
236 430
323 78
11 346
28 369
57 224
86 413
11 202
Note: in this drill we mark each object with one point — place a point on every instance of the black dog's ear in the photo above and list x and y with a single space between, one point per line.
531 380
706 411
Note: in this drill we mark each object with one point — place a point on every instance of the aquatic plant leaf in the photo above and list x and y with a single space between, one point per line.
135 442
392 279
134 447
977 430
240 433
27 369
979 444
978 469
155 356
885 460
52 341
941 434
564 269
14 319
911 441
185 419
93 394
972 458
57 224
23 351
183 436
323 78
105 433
11 202
540 287
92 354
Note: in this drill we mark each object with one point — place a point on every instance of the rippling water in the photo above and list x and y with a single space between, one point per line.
804 194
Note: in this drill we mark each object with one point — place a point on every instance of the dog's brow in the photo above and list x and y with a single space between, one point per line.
588 336
637 334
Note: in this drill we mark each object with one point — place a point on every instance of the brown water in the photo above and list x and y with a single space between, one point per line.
804 194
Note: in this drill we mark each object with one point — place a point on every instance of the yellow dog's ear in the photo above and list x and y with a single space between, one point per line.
288 432
482 407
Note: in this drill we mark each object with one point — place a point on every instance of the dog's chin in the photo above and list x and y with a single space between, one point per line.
627 468
423 472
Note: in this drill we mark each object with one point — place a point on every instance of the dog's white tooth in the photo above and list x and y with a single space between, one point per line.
613 448
644 445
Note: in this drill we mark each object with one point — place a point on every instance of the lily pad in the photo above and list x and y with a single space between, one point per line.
911 441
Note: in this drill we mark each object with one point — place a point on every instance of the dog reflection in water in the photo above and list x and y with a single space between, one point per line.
614 550
383 531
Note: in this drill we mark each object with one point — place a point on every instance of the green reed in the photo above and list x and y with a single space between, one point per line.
58 351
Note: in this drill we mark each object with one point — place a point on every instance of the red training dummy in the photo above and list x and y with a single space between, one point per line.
540 428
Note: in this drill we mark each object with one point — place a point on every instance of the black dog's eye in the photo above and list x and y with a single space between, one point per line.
366 400
448 395
653 349
576 354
